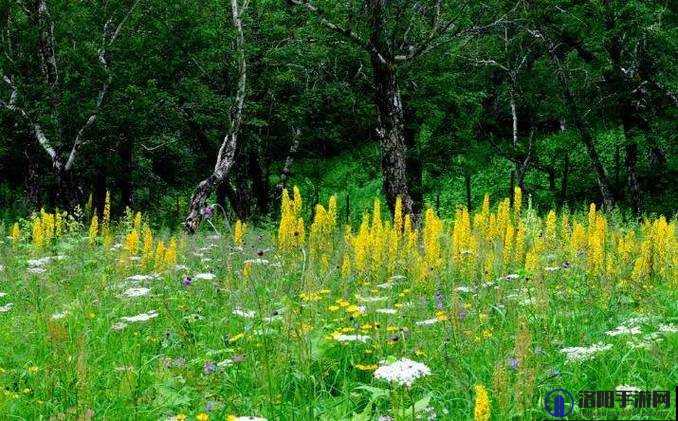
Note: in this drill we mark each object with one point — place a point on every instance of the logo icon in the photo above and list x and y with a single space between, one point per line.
559 403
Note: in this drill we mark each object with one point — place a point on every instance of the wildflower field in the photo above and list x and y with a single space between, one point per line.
476 317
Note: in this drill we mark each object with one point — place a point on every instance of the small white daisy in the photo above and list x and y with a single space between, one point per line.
206 276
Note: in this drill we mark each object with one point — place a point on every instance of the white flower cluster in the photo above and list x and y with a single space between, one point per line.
579 353
143 317
247 314
623 330
404 372
136 292
351 338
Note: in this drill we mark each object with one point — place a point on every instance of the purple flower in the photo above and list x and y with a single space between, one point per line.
209 368
512 363
462 314
187 281
207 212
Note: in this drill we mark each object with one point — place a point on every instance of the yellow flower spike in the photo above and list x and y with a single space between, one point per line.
481 410
202 417
236 337
93 230
239 231
15 233
366 367
247 269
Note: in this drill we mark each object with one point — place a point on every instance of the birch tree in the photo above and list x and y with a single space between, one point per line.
226 154
34 88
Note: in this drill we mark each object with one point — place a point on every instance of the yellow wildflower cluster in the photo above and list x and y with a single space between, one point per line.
239 231
322 228
481 411
291 229
487 243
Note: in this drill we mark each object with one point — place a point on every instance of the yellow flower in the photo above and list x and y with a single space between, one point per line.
239 231
15 233
366 367
180 417
34 369
236 337
202 417
481 411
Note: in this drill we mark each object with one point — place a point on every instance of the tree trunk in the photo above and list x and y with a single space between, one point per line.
563 183
226 155
631 150
587 139
259 182
125 152
394 154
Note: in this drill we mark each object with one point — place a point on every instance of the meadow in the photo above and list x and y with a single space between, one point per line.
477 317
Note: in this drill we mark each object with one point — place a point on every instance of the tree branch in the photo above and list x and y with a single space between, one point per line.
349 34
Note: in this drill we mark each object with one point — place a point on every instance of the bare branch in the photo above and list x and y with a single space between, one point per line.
352 36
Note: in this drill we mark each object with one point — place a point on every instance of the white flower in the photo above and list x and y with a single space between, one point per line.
36 270
623 330
119 326
351 338
552 268
464 289
248 314
579 353
134 258
257 261
139 278
3 294
386 285
637 320
370 299
404 372
44 260
225 363
59 315
136 292
207 276
2 268
7 307
386 310
627 388
180 267
510 277
143 317
427 322
668 328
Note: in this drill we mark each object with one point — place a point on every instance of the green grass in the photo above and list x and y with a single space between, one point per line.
290 368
